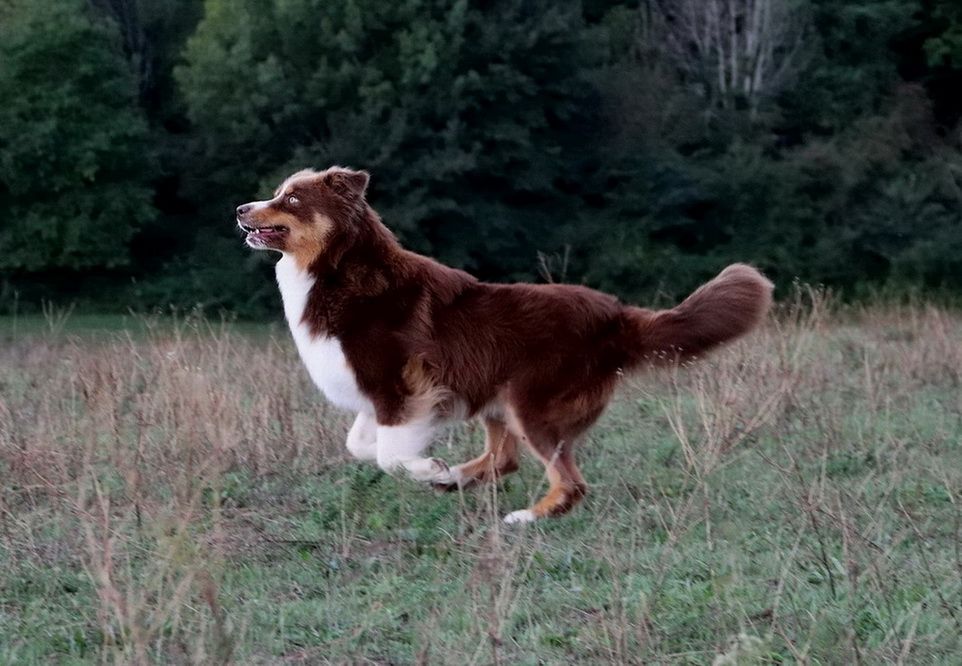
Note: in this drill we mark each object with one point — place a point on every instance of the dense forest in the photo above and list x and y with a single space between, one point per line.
633 146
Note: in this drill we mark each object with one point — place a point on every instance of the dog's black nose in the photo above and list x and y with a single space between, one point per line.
243 209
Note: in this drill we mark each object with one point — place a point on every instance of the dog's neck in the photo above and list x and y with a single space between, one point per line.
324 295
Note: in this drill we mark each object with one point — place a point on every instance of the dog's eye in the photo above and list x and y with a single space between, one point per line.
292 200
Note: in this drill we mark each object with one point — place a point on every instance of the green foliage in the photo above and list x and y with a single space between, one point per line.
843 180
515 139
74 159
852 70
458 112
945 48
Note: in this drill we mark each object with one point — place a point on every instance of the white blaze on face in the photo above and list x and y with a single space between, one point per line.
254 206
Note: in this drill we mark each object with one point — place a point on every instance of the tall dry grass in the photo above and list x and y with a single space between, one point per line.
121 447
124 442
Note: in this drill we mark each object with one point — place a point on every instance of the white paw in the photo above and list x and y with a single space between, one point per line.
521 516
449 477
430 470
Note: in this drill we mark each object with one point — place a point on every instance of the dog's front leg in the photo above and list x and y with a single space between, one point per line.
401 446
362 437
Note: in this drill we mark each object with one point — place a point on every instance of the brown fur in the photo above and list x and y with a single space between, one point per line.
537 362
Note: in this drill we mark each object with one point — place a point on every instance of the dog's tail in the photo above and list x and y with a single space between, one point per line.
727 307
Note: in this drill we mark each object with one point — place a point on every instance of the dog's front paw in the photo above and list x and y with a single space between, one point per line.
431 470
455 480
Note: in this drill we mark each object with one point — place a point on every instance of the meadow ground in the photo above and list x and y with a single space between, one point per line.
179 493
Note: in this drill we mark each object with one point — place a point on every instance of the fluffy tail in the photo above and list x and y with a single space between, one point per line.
721 310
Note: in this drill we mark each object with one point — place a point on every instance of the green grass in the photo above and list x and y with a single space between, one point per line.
194 504
59 324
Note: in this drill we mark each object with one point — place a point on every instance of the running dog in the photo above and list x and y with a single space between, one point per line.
409 344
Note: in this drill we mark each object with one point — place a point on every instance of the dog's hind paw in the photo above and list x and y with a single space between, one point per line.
521 516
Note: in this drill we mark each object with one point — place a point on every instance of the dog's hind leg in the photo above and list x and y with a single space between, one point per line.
552 433
566 486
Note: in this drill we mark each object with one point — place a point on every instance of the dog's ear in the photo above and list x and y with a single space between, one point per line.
349 183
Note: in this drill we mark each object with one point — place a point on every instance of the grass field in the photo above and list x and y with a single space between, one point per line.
181 494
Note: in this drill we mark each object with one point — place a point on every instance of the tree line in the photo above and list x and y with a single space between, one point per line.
633 146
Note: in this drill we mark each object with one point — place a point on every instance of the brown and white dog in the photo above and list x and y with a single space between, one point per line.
410 344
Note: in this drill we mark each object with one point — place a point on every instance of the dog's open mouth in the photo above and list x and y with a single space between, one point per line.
263 235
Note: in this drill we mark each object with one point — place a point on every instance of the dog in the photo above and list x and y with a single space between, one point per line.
409 344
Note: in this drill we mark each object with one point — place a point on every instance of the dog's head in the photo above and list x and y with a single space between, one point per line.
307 211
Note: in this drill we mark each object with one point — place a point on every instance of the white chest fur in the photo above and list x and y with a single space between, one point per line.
323 356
